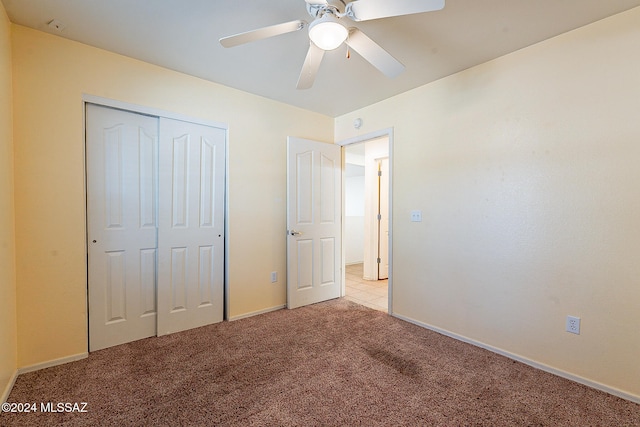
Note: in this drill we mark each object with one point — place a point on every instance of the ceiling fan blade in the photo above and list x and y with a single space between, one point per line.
262 33
310 67
364 10
372 52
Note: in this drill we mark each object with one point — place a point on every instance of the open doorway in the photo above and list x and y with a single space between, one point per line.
366 226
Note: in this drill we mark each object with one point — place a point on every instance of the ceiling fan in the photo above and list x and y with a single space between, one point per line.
329 29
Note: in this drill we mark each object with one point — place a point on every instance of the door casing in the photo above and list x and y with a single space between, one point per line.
388 132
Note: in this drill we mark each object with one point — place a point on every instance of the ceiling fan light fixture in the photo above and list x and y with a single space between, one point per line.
327 32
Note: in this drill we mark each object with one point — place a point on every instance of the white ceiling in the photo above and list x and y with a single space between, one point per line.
183 35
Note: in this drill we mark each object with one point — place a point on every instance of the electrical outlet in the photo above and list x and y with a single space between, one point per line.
274 276
573 325
416 216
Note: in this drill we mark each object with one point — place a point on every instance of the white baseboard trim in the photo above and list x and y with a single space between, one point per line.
37 367
559 372
51 363
8 388
255 313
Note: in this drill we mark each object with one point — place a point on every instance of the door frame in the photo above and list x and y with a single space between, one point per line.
388 132
150 111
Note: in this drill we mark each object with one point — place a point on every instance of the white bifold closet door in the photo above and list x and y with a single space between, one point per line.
155 225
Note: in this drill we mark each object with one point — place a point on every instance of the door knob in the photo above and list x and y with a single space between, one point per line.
295 233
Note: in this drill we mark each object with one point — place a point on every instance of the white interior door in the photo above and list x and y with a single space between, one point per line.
313 222
383 218
121 225
191 226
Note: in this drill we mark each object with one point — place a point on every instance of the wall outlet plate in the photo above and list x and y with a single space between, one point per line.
274 276
573 325
416 216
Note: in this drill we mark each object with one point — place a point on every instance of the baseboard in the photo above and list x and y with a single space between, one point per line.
559 372
51 363
37 367
8 388
255 313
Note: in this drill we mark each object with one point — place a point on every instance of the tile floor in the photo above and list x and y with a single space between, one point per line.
370 293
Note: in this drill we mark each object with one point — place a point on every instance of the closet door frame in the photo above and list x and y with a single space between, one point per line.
135 108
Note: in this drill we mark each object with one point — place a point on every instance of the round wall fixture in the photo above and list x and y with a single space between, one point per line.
357 123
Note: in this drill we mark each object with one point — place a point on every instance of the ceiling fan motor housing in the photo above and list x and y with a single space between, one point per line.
333 6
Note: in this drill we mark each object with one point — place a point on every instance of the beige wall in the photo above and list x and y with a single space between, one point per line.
8 343
527 172
50 76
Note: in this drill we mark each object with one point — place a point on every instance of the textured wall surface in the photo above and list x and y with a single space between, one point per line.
526 171
8 339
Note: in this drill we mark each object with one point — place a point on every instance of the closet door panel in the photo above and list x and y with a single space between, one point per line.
121 149
191 220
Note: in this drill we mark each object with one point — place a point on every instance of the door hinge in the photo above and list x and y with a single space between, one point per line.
379 217
379 173
378 260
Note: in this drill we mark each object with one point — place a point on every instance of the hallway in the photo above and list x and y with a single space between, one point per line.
370 293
